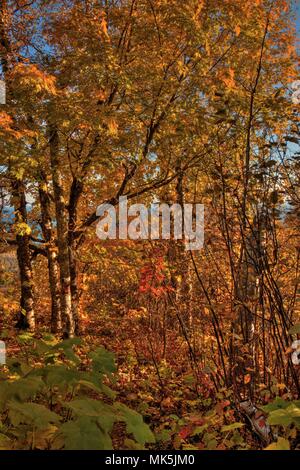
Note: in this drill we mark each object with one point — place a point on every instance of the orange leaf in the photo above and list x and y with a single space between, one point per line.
247 379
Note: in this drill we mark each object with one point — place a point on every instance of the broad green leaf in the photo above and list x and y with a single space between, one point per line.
96 379
135 424
31 413
89 407
67 347
280 417
132 445
21 389
104 414
293 410
60 376
103 361
98 388
277 404
41 347
85 434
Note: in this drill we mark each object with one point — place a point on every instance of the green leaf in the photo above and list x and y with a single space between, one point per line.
61 376
67 347
88 407
293 410
26 337
31 413
21 389
199 429
280 417
164 435
96 379
135 424
284 416
41 347
104 413
103 361
231 427
132 445
277 404
85 434
98 388
280 444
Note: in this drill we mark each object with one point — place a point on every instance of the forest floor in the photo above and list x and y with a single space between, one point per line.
179 402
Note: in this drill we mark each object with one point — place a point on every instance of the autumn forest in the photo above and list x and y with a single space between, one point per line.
132 344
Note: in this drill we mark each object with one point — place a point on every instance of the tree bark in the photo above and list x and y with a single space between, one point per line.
53 268
27 317
62 236
75 193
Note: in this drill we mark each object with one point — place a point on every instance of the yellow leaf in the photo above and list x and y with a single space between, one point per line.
104 27
281 444
237 30
112 127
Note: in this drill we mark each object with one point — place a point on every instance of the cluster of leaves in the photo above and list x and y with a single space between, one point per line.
47 403
284 415
209 425
154 277
204 432
216 429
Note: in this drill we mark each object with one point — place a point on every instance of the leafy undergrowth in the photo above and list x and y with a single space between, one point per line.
66 395
51 399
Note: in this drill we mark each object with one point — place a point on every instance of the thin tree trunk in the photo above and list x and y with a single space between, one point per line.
62 236
27 317
75 193
74 288
53 268
183 260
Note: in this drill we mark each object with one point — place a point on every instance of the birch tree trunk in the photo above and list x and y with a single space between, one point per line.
53 268
62 236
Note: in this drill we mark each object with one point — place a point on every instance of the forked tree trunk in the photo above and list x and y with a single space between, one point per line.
27 317
53 268
62 236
